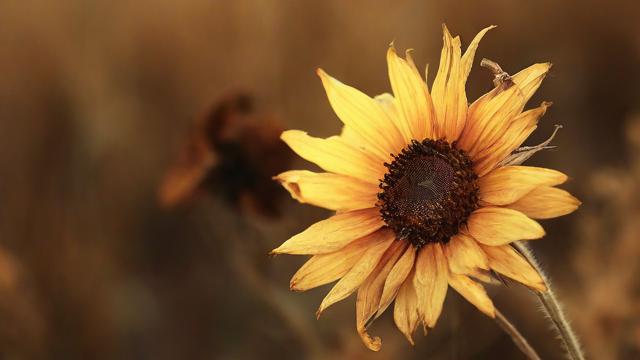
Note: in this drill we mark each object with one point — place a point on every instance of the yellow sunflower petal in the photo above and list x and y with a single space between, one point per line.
330 191
360 271
430 282
364 115
405 310
499 226
467 58
490 115
396 278
507 184
506 261
335 155
449 97
518 131
546 203
473 292
414 102
333 233
370 291
325 268
464 255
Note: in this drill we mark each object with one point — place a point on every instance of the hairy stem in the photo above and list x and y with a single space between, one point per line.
553 308
516 336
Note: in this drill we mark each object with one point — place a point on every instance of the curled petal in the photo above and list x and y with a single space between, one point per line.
405 310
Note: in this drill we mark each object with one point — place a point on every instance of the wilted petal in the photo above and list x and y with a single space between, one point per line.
546 203
507 184
499 226
330 191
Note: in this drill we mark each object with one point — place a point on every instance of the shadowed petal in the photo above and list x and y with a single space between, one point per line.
430 282
464 255
405 310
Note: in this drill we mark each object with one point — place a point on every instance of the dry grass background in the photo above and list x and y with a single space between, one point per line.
96 98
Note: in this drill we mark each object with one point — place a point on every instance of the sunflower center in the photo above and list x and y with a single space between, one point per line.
428 192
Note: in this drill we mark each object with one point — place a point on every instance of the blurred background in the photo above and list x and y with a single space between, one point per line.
125 234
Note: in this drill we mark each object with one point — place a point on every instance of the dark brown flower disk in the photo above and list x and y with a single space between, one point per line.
428 192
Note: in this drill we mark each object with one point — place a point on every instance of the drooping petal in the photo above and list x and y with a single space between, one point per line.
518 131
473 292
364 115
405 310
370 291
413 99
335 155
430 282
506 261
330 191
490 115
360 271
396 278
546 203
464 255
325 268
333 233
449 97
499 226
507 184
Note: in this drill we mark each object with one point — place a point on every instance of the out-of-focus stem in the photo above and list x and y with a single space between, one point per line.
552 307
516 336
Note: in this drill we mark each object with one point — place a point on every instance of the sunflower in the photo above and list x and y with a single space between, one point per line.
427 191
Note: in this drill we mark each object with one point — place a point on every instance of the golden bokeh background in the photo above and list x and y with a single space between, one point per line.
98 97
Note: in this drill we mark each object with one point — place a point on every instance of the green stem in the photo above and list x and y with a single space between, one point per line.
553 307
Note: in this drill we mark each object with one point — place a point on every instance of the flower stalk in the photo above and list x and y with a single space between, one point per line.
520 341
552 307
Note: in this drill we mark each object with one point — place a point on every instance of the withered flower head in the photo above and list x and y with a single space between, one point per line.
428 191
232 152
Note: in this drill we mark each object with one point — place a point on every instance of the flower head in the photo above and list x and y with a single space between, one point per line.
428 191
